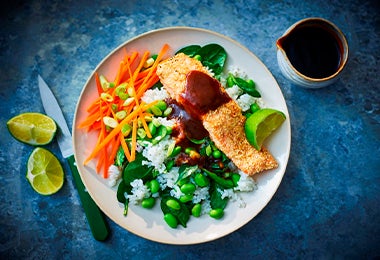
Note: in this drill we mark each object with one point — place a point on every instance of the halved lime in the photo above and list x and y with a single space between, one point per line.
44 172
262 124
32 128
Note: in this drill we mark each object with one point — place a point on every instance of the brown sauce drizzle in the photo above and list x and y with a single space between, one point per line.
202 94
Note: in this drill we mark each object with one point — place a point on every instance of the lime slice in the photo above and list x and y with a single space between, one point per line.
32 128
45 172
262 124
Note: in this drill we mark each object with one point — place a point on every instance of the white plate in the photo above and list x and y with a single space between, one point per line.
149 223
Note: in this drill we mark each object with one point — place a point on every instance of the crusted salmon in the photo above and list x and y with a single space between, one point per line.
225 124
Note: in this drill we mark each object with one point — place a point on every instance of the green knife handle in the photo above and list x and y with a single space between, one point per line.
95 217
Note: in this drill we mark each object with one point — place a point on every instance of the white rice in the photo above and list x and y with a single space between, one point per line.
245 183
154 94
156 154
201 194
234 92
245 101
168 179
139 192
233 196
114 174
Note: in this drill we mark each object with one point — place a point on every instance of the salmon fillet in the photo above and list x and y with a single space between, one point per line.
225 124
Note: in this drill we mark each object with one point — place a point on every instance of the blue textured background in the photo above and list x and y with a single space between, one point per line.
327 205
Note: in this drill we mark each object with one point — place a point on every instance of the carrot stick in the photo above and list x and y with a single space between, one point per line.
134 137
125 147
130 71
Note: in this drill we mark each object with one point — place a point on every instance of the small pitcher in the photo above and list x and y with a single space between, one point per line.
312 53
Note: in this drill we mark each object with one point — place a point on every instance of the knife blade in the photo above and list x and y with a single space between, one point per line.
94 215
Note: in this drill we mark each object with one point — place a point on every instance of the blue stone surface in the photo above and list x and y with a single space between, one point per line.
328 203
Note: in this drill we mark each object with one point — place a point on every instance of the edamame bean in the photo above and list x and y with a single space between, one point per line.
216 154
198 57
161 105
216 213
254 107
171 220
196 210
188 188
186 198
168 111
169 165
154 186
152 128
148 203
176 151
188 150
173 204
156 111
235 179
201 180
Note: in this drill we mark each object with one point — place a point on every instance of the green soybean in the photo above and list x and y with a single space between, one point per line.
171 220
161 105
186 198
173 204
201 180
152 128
148 203
154 186
176 151
168 111
156 111
254 107
235 178
216 154
188 188
216 213
196 210
169 165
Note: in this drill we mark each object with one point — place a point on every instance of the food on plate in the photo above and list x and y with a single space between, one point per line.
224 122
161 140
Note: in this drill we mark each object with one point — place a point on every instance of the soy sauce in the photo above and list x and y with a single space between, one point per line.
313 51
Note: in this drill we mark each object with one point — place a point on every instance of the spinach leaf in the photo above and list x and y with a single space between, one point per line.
216 200
185 171
135 170
182 214
121 189
225 183
190 50
246 87
214 57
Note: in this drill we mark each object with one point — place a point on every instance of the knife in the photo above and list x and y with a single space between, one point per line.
95 217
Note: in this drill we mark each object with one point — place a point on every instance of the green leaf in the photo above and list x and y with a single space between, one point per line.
121 189
190 50
182 214
135 170
185 171
246 87
214 57
216 200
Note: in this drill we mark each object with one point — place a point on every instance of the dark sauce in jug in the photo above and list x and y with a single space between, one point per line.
313 51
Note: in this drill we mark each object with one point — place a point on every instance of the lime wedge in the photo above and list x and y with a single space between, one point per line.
44 172
262 124
32 128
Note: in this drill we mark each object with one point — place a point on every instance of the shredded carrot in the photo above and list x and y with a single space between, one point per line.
130 71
